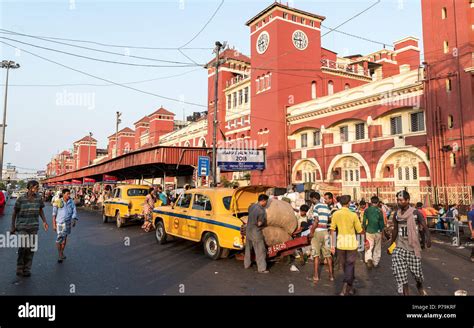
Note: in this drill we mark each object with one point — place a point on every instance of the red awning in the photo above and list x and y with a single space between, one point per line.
76 182
89 181
109 178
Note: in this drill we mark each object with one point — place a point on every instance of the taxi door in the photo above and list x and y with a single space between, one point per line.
113 201
200 213
177 222
108 204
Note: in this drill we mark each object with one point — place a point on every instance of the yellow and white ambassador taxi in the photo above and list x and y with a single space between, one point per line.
210 215
126 204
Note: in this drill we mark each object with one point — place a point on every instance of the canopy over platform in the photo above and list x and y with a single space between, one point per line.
153 162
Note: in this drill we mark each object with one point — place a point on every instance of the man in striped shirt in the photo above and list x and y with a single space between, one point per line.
25 223
320 237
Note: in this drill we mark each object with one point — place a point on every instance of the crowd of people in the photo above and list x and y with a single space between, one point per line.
339 229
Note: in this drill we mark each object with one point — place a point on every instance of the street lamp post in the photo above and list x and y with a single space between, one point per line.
215 118
90 145
116 132
5 64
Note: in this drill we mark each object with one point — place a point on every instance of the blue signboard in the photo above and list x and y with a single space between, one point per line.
204 166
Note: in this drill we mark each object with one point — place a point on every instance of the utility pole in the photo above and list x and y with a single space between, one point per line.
90 145
215 118
118 121
5 64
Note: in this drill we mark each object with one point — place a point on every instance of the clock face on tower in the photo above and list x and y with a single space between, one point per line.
300 40
262 42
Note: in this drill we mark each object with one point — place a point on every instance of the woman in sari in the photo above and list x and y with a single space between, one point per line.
148 207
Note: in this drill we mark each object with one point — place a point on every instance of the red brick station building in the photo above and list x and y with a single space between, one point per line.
358 124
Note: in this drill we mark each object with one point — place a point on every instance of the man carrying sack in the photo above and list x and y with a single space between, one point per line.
254 237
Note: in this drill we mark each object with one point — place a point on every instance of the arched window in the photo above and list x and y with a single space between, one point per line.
314 94
330 88
347 86
452 159
449 85
407 174
446 47
444 13
450 121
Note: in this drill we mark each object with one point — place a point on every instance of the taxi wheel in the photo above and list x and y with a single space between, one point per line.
118 220
211 246
160 233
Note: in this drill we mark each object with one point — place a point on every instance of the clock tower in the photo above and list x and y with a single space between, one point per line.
286 63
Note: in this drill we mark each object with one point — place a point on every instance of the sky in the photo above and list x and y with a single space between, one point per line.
48 110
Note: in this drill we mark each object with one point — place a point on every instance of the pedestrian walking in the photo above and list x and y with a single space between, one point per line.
25 223
362 208
64 217
373 224
320 238
347 225
292 197
333 204
257 219
148 207
422 211
314 201
442 220
452 216
162 196
408 224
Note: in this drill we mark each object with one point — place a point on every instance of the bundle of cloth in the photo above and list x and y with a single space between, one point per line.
281 222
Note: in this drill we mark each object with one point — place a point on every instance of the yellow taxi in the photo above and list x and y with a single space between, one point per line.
208 215
126 204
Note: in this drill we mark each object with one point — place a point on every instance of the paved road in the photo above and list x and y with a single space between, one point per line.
101 262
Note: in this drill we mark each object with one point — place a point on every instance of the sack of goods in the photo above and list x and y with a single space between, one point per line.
280 214
281 222
275 235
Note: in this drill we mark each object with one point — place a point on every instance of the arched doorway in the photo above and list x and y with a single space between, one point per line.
407 168
305 171
350 176
349 170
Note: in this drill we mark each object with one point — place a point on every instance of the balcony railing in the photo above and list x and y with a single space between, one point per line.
346 68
